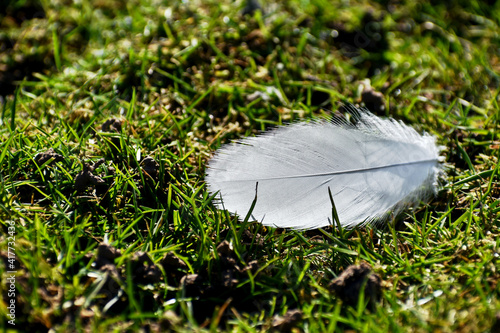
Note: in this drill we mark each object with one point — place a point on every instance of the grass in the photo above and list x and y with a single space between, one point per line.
107 84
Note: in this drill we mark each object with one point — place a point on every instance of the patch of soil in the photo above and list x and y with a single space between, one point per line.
19 68
86 177
16 12
369 36
144 269
373 100
287 322
354 280
50 154
111 296
174 267
220 286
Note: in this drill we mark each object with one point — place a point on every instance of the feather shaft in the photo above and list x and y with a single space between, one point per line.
342 172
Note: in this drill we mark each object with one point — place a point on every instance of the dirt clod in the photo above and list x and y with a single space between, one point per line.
191 279
169 319
150 167
144 269
249 238
41 158
288 321
112 125
227 256
225 249
251 6
106 254
373 100
227 278
253 266
111 270
193 284
86 178
174 267
496 324
348 285
170 260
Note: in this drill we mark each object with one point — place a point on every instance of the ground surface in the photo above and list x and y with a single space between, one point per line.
111 110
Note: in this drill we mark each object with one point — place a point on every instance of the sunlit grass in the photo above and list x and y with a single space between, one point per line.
142 92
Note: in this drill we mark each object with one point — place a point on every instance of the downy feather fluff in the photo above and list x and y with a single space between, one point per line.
373 168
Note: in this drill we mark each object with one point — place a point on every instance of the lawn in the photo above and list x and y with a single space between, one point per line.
111 110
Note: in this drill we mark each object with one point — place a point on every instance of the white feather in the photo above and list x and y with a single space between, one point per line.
373 168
